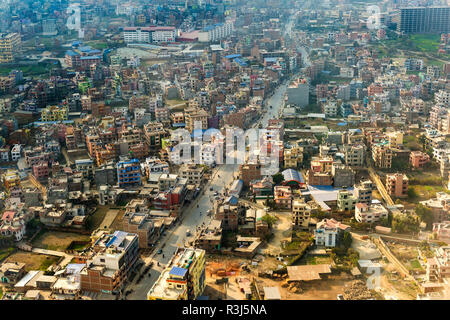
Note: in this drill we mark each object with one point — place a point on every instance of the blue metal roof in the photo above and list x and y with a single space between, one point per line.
177 271
89 57
232 56
293 175
72 53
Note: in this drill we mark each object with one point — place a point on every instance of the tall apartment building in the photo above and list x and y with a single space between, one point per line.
216 32
382 156
129 173
346 200
10 44
397 185
193 115
354 155
183 278
424 20
112 257
298 93
301 214
363 192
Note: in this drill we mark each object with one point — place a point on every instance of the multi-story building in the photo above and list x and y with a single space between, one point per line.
382 156
370 213
354 155
10 45
363 192
440 206
327 232
293 157
418 159
55 113
330 109
424 20
109 262
298 93
183 278
216 32
193 115
346 200
149 34
86 167
397 185
283 196
249 172
301 214
129 173
193 173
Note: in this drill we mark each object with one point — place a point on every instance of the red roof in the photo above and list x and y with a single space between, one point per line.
8 215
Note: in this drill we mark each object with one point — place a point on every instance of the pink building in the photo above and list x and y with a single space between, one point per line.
41 170
418 159
282 196
397 185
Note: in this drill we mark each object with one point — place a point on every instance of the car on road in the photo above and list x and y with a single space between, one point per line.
211 189
159 251
188 232
340 297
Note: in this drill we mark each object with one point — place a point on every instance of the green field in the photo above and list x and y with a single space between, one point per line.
28 70
426 42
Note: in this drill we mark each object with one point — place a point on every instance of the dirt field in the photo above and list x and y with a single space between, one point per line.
58 241
281 231
32 261
394 288
326 289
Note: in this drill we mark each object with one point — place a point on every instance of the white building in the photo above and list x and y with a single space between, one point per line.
370 214
330 109
216 32
327 231
16 152
149 34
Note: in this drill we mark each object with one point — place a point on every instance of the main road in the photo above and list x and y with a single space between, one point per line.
193 216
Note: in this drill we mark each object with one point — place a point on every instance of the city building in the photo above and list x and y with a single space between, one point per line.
183 278
129 173
111 259
397 185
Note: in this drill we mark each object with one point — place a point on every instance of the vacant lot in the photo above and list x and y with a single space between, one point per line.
33 261
56 240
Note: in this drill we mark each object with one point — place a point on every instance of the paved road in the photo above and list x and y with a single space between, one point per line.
223 176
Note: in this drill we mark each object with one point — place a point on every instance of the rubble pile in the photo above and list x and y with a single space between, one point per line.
294 287
358 291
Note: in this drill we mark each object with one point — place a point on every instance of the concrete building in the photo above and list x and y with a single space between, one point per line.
216 32
327 232
418 159
346 201
424 20
10 45
183 278
298 93
129 173
363 192
112 257
301 214
397 185
370 213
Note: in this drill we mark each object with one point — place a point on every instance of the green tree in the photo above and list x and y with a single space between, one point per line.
425 214
270 220
277 178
